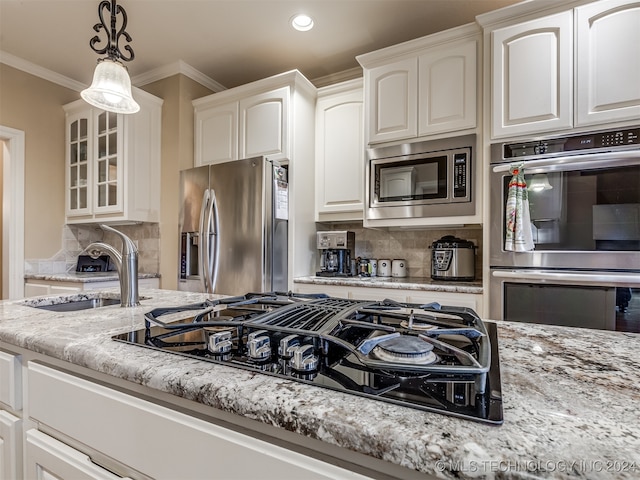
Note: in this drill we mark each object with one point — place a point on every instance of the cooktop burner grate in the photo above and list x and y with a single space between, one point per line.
361 347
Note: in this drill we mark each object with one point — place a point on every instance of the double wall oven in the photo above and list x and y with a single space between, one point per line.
584 199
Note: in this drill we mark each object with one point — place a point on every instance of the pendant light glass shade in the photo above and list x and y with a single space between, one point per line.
111 88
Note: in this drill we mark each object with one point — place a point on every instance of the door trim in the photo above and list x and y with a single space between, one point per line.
13 213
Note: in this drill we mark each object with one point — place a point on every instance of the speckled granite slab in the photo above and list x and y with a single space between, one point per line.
82 277
570 396
405 283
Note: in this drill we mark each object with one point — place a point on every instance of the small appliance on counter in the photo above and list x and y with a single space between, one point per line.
336 249
88 264
453 258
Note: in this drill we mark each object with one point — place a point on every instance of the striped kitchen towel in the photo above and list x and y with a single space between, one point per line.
519 237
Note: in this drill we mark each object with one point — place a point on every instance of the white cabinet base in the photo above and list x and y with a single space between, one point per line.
134 432
48 459
10 446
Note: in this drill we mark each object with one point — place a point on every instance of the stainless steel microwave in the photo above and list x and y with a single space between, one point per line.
421 179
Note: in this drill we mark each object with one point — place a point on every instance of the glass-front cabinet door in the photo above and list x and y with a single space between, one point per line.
78 164
108 193
113 163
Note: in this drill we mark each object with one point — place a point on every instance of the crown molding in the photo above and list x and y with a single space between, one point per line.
175 68
139 80
339 77
38 71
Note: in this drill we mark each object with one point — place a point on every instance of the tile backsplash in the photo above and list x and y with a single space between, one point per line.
75 238
410 245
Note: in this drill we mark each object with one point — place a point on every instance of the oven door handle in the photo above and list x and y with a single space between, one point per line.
596 278
569 162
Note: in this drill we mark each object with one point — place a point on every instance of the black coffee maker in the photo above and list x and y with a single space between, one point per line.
335 253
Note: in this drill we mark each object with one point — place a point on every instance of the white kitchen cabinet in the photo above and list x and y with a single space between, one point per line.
392 101
10 412
264 122
339 165
447 88
48 459
10 446
113 163
124 429
608 62
532 76
216 133
422 87
250 120
538 67
37 288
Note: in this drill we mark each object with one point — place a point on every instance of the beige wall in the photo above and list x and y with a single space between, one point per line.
34 105
177 154
2 147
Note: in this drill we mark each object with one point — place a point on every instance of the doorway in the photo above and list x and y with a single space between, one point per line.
12 262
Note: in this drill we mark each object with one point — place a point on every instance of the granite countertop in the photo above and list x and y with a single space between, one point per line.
570 396
82 277
404 283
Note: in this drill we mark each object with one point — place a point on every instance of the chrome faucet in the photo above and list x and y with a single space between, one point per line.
126 264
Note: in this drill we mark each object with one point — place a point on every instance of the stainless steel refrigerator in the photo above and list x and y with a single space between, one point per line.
234 227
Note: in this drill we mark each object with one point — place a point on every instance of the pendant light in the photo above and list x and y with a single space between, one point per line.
111 86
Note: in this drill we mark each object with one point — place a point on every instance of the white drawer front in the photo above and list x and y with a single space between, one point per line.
149 438
11 380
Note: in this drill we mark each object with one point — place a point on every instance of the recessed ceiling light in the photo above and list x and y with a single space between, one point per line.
302 22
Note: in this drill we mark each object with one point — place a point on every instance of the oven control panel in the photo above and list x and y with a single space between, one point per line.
460 175
606 140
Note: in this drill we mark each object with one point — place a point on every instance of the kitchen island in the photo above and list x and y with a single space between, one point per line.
570 398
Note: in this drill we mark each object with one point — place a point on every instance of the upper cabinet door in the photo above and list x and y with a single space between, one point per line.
264 124
339 164
447 89
532 75
392 101
608 62
108 158
216 134
79 148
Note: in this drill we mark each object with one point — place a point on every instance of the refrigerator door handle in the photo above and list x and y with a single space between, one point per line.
203 248
215 235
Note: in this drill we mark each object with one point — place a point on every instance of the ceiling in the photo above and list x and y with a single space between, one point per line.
232 42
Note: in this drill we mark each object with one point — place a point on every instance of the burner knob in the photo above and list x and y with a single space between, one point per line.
220 342
287 345
259 345
303 359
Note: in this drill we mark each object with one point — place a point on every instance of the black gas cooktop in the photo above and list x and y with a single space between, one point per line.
429 357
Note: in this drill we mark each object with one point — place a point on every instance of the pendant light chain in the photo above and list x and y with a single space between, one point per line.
113 33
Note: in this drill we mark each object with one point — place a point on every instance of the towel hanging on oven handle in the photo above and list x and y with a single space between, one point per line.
519 236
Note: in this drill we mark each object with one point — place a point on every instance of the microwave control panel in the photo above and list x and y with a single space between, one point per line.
460 169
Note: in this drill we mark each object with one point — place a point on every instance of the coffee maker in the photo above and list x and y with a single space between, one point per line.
336 248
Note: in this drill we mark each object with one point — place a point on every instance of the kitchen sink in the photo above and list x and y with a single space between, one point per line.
73 306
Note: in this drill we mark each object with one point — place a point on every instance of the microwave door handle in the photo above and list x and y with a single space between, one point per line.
215 235
571 162
204 241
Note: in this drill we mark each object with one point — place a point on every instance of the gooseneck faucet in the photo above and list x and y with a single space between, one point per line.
126 264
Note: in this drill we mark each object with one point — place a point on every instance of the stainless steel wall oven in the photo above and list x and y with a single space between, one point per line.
584 198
